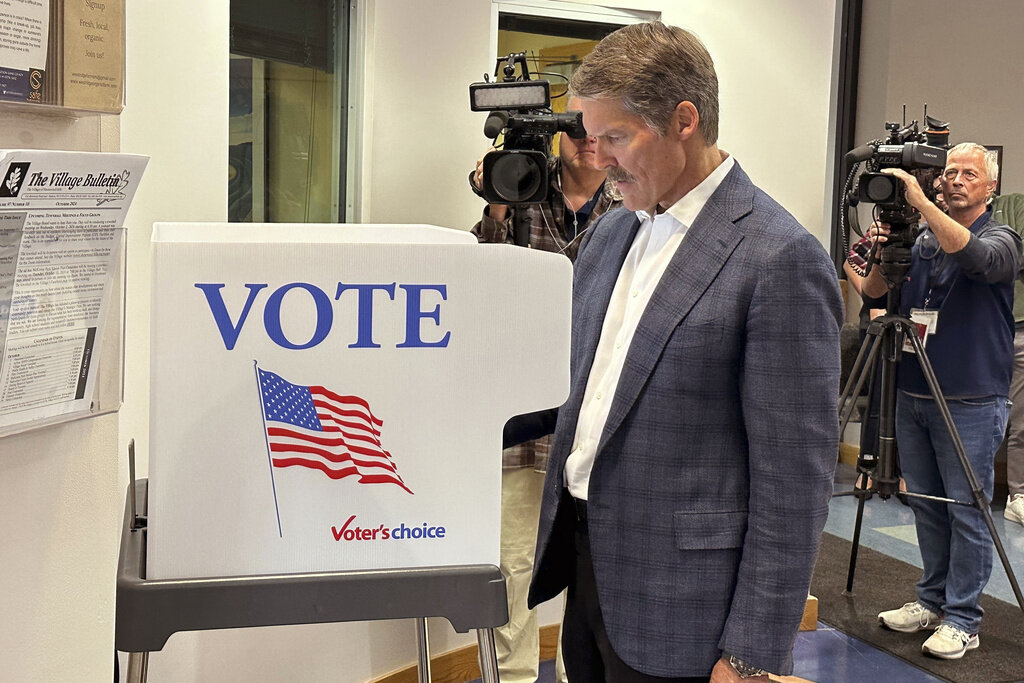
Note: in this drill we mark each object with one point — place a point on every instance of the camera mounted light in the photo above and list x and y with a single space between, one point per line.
509 95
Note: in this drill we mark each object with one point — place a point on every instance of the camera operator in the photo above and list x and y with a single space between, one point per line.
960 284
869 427
577 196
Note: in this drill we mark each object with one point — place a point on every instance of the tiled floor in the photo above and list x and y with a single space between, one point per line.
888 527
827 655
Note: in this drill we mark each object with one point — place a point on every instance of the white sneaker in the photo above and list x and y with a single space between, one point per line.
912 617
1015 508
949 642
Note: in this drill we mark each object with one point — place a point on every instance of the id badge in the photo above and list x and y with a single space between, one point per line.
926 323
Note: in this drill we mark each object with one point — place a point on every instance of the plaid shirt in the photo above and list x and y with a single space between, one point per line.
548 232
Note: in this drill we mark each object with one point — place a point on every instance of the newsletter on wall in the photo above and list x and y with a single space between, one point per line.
61 233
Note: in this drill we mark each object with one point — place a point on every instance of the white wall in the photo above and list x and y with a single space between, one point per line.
60 498
61 489
774 64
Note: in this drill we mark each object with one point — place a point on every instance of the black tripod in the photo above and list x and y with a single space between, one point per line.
884 343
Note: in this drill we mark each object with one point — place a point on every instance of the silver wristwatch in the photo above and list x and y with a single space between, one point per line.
745 670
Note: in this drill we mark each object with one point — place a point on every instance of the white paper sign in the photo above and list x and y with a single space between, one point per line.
331 397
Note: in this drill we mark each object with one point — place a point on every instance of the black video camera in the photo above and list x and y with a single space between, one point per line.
922 154
521 109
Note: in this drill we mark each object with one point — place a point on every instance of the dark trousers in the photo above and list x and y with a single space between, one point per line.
588 655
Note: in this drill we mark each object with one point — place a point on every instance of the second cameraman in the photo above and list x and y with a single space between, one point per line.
577 196
960 284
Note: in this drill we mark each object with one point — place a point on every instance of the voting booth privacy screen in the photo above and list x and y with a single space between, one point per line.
331 397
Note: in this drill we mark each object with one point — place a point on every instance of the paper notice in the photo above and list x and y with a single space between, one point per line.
94 54
61 229
24 25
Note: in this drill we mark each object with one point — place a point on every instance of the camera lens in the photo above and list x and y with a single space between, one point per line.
516 177
881 188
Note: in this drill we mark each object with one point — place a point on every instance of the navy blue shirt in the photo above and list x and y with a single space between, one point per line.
574 219
971 350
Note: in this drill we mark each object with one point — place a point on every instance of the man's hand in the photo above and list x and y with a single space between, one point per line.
915 195
724 673
878 233
951 235
874 284
496 211
478 175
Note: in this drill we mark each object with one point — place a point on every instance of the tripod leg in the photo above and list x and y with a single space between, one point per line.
855 544
862 369
881 466
854 371
980 501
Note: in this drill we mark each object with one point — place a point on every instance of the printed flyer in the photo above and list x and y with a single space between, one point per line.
61 230
24 27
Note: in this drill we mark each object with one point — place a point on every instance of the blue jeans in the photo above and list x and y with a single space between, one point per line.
955 544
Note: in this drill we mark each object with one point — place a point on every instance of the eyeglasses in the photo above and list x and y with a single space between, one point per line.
949 175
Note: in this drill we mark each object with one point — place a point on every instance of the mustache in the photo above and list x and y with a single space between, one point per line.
617 174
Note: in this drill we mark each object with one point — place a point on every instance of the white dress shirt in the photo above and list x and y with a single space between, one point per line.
655 243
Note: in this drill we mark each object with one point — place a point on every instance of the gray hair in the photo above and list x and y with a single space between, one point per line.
652 67
991 157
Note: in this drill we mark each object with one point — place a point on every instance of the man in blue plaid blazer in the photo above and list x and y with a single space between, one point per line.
692 463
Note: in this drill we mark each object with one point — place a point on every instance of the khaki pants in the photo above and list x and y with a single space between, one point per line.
518 642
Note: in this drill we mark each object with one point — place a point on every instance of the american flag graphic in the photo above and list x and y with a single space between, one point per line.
311 426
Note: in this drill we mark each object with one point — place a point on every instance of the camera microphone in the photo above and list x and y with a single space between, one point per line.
859 154
495 123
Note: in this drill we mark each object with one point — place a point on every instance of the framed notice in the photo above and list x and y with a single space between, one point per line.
93 55
998 151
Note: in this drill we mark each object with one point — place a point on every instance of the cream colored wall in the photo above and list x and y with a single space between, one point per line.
774 62
61 489
60 498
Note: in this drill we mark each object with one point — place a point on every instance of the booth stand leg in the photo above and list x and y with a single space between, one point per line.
488 655
138 664
423 646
